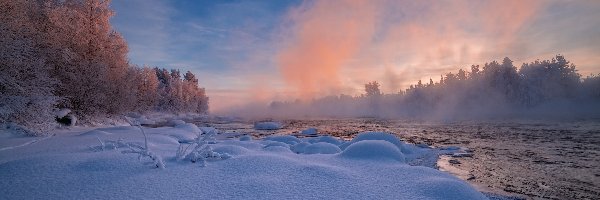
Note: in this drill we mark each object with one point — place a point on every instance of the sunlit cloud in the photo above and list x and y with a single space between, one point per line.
395 42
261 51
325 36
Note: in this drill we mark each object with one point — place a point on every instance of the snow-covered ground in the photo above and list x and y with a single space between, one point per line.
88 163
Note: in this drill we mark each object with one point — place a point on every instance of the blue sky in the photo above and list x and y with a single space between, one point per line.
209 36
213 39
246 51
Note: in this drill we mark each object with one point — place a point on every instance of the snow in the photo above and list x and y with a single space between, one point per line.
176 122
327 139
300 147
379 136
246 138
96 132
288 139
66 166
192 128
373 150
267 125
309 131
62 112
321 148
276 144
65 117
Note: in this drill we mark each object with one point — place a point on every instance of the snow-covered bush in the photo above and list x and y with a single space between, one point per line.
142 151
130 147
199 150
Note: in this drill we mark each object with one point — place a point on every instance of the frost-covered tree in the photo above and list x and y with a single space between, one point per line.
65 54
90 57
549 79
461 75
180 95
496 90
190 77
591 87
26 88
372 89
145 87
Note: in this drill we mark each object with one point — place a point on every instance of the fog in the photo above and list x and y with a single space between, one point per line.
333 47
548 89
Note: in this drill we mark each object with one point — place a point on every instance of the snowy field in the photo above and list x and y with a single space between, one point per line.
530 159
305 159
179 162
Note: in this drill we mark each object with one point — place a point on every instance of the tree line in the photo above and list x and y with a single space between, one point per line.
65 54
495 90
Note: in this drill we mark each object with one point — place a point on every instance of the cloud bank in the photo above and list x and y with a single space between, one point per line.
335 45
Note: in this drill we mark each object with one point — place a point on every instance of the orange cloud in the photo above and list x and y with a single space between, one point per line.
441 36
336 45
325 36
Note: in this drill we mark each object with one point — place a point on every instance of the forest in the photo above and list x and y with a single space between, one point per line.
57 55
540 89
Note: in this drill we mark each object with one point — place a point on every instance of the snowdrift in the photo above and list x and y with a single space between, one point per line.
70 166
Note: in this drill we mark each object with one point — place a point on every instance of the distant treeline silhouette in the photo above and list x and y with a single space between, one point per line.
540 89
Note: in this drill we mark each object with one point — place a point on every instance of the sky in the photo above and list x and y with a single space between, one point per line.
246 51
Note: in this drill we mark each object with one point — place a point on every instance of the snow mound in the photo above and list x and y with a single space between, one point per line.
309 131
300 147
267 125
189 127
447 188
278 144
379 136
246 138
322 148
327 139
288 139
373 150
277 148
